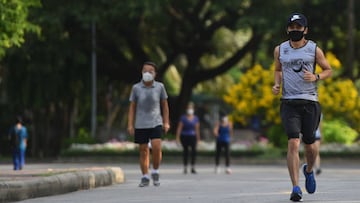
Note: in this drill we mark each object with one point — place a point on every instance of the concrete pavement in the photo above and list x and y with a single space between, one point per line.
255 183
38 180
249 183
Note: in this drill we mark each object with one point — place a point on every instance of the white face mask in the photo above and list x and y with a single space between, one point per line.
225 119
147 77
190 111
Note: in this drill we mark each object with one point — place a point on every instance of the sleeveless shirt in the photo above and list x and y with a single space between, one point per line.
224 134
293 62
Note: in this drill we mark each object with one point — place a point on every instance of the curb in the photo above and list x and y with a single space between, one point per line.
59 184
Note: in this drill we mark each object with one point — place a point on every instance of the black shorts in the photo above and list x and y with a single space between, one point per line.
144 135
300 116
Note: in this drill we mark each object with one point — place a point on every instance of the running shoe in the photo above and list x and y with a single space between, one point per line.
193 171
296 195
144 182
155 178
310 183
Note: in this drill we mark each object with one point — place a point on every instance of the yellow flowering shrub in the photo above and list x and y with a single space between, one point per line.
340 99
253 96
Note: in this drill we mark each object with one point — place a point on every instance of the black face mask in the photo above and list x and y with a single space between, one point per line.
296 35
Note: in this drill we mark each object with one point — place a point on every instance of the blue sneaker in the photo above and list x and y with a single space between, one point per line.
310 183
296 195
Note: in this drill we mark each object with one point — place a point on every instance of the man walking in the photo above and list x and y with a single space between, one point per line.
149 109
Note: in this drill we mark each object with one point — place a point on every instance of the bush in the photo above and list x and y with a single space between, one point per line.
277 136
338 131
83 137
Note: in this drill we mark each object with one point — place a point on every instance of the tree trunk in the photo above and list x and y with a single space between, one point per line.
350 41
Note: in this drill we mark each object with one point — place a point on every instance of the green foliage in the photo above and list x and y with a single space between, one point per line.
50 74
83 137
169 136
277 136
338 131
14 22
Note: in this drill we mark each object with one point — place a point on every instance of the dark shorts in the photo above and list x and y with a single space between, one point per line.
144 135
300 116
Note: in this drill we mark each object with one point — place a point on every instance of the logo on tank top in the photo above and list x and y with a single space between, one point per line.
297 65
286 51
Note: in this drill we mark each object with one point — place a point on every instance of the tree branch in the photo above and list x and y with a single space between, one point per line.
207 74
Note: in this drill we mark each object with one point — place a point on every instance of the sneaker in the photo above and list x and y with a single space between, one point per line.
228 171
310 183
155 178
296 194
193 171
144 182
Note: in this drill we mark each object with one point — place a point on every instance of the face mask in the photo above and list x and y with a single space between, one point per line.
225 119
190 111
147 77
296 35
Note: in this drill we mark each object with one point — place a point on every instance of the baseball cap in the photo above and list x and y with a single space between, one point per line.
298 18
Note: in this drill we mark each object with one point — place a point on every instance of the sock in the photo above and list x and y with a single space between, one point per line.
155 171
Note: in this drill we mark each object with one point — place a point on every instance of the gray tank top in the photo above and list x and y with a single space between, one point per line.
293 61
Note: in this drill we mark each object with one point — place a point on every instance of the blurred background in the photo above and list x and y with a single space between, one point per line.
68 66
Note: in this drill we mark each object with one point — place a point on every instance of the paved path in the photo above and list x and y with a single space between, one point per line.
338 183
37 180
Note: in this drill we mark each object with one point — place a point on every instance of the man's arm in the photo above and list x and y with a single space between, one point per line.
131 116
324 64
277 72
165 115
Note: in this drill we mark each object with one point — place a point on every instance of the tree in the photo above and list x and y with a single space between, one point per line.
181 34
14 22
51 72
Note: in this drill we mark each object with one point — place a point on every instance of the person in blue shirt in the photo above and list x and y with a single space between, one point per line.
18 137
188 133
223 132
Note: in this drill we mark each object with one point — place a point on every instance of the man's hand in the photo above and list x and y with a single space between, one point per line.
131 130
276 89
166 127
309 76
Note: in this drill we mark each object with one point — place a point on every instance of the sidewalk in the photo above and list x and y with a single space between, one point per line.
37 180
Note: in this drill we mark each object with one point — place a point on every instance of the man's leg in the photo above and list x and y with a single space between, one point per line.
22 159
293 160
16 162
144 158
311 151
156 153
317 160
156 159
